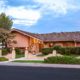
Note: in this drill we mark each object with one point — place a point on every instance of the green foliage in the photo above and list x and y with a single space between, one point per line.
57 48
5 51
69 50
62 50
50 50
5 26
29 61
5 21
62 60
3 59
19 53
46 51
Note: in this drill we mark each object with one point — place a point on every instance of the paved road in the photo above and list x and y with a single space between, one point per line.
38 73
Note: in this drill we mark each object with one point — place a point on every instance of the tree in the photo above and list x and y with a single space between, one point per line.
5 21
6 37
5 30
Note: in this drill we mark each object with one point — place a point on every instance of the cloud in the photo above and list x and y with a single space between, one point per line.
20 14
57 6
23 16
28 15
2 5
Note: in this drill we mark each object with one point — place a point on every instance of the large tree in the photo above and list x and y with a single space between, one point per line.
5 21
5 28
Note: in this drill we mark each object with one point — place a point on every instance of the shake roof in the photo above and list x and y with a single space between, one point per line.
63 36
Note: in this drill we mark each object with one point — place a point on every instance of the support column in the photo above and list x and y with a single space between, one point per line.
13 53
0 52
54 53
75 44
26 52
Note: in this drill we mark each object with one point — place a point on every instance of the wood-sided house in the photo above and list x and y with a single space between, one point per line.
34 42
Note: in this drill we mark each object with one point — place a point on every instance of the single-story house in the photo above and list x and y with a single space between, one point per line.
34 42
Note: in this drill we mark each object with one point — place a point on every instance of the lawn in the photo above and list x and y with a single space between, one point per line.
3 59
19 55
54 60
29 61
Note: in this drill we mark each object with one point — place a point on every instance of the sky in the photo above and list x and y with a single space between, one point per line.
43 16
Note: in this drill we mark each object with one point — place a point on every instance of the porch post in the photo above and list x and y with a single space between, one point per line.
13 53
0 49
0 52
54 53
26 52
75 44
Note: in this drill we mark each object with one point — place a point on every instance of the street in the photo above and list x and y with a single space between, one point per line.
38 73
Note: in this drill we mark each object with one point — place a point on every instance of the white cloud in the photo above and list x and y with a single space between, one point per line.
57 6
27 15
21 15
2 5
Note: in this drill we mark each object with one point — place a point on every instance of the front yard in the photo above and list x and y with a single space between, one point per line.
54 60
3 59
29 61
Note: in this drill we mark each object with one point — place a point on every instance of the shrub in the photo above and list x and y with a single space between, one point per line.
46 51
62 60
19 53
5 51
62 50
57 48
3 59
70 50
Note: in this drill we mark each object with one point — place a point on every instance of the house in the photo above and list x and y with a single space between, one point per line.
34 42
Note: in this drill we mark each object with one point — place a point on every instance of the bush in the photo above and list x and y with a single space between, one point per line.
5 51
3 59
57 48
70 50
19 53
62 60
62 50
46 51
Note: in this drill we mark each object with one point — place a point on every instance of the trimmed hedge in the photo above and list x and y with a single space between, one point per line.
62 50
69 50
46 51
3 59
62 60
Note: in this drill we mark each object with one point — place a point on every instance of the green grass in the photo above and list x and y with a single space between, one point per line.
19 55
29 61
3 59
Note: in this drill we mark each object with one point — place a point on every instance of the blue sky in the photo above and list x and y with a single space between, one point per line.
43 16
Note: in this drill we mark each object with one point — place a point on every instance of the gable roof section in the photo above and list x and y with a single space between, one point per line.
32 35
63 36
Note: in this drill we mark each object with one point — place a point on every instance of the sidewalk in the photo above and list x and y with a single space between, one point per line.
39 65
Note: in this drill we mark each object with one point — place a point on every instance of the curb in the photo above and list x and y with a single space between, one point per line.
39 65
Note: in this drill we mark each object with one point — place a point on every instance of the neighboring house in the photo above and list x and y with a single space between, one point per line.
34 42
